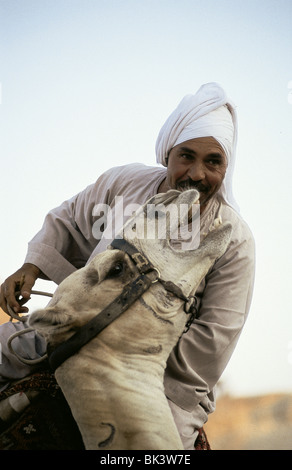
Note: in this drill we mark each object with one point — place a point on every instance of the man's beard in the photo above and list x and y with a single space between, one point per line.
190 184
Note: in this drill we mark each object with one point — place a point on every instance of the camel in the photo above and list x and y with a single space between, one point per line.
114 383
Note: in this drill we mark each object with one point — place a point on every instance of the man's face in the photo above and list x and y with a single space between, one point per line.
198 163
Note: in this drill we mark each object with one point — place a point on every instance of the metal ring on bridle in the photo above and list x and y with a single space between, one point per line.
158 275
191 304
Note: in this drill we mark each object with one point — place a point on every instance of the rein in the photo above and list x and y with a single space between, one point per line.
148 275
23 319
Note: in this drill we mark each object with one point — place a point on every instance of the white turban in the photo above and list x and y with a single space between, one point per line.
207 113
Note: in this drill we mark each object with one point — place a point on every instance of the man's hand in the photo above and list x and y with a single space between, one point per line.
21 282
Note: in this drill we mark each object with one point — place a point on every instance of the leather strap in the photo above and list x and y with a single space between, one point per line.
129 295
142 263
87 332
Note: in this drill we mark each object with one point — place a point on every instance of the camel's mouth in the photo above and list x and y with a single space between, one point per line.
191 198
194 210
173 215
187 234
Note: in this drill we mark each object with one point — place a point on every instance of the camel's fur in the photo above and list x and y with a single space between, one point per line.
114 384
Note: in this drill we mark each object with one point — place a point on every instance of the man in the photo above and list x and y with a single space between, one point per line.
196 147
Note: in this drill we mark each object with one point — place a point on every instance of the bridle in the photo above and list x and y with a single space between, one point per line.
120 304
148 275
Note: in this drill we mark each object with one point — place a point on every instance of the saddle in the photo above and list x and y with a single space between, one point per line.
34 415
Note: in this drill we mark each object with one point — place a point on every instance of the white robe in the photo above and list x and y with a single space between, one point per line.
66 243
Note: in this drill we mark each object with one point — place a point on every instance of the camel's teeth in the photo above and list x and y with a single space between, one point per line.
218 221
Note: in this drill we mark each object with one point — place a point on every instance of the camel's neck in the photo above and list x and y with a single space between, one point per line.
116 393
108 370
122 378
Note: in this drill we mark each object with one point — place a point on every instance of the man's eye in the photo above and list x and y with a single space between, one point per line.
186 156
214 162
116 270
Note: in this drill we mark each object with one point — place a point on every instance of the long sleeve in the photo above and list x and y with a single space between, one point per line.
64 242
67 238
200 357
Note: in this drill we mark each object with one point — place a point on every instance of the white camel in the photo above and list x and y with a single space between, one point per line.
114 383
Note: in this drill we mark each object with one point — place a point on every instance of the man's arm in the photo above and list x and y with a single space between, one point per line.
64 243
54 253
61 246
200 357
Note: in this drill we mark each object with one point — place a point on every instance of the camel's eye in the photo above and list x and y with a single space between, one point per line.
116 270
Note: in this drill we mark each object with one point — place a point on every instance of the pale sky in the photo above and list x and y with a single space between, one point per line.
87 85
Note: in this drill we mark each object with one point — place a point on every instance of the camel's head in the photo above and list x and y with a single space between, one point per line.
166 244
167 230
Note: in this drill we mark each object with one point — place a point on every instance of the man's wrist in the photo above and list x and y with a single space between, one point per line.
33 269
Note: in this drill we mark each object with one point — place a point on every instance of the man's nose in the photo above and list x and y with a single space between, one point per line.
196 171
